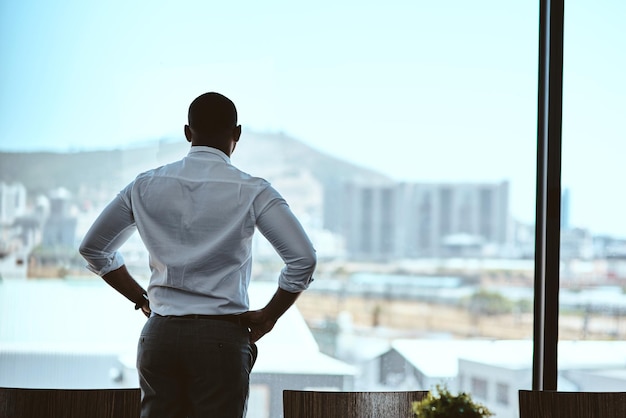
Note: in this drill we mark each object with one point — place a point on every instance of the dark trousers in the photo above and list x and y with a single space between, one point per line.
194 368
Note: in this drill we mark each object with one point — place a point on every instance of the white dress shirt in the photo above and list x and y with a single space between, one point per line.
196 217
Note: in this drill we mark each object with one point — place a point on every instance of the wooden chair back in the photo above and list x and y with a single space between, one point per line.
69 403
314 404
554 404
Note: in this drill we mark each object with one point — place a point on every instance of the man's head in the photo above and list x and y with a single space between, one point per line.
212 122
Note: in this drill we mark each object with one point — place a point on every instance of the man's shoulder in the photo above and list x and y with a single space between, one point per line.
246 177
161 170
219 173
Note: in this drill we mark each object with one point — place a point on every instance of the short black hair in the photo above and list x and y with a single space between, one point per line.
212 113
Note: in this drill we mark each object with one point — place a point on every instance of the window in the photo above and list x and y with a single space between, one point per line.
479 387
502 393
403 136
592 252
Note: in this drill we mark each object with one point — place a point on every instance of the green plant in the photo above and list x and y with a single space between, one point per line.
444 404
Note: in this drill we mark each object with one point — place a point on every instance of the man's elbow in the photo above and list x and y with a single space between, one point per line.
85 251
309 262
90 254
307 266
298 273
303 265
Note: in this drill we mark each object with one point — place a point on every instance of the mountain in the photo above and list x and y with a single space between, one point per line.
274 156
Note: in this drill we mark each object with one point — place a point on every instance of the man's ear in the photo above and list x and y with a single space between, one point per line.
237 133
188 133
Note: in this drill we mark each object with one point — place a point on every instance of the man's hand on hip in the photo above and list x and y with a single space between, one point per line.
259 323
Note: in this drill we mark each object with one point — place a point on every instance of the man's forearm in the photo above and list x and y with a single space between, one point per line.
121 280
280 302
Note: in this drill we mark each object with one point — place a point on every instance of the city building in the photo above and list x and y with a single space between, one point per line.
454 219
60 227
369 221
12 202
17 233
415 220
493 371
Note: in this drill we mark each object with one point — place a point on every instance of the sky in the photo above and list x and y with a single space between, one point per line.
419 90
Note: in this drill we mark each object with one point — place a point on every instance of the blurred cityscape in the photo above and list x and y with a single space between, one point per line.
354 216
404 269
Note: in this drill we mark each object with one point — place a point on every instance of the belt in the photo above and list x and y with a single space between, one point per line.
235 319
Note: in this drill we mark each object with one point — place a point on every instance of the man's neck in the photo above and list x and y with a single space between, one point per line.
222 147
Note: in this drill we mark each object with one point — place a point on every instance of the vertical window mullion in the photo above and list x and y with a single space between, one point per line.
548 210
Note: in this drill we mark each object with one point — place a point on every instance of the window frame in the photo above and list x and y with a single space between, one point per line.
548 195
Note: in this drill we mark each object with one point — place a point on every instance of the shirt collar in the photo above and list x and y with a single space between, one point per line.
209 150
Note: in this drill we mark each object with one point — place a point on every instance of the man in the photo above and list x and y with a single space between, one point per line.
197 217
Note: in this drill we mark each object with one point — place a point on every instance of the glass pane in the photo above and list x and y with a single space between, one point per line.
593 238
403 136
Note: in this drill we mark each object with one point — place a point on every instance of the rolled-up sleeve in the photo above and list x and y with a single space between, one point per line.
283 230
107 234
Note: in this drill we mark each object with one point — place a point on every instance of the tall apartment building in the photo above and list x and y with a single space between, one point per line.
12 202
411 220
449 219
60 227
370 221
